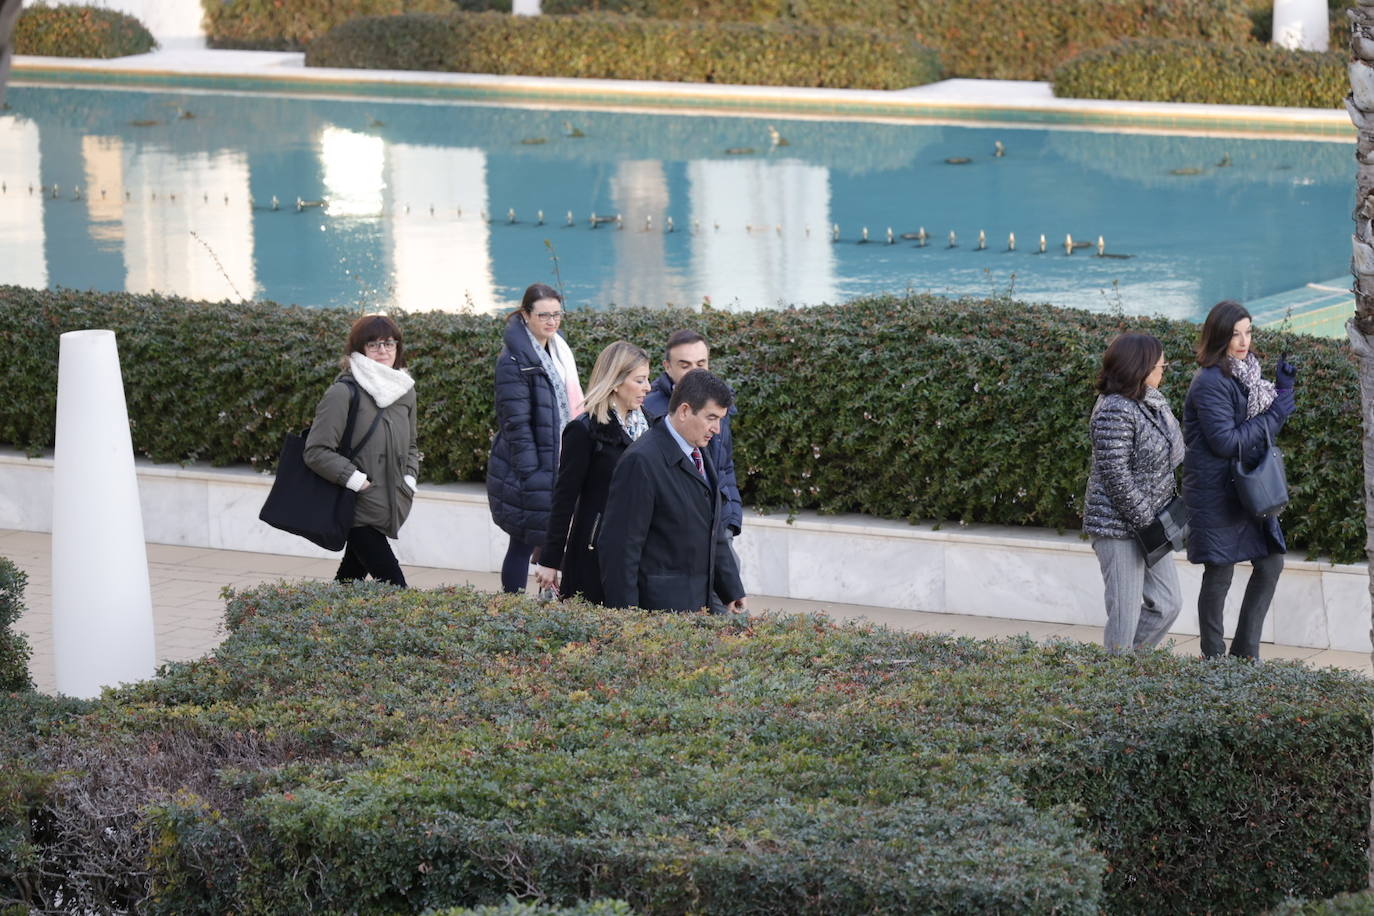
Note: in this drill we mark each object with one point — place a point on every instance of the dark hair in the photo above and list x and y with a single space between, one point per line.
696 388
537 291
1127 362
375 327
678 338
1216 334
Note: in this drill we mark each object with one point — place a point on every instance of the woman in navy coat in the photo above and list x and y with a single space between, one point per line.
1231 409
537 393
591 448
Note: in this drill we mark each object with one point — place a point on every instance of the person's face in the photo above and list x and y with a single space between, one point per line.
698 427
543 319
1239 347
382 351
1156 375
684 358
629 394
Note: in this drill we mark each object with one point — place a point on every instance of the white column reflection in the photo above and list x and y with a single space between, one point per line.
21 213
104 167
774 261
642 276
188 225
440 260
354 173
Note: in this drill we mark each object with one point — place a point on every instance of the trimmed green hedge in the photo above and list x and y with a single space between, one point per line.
362 749
513 907
619 47
1196 71
957 411
1357 904
79 31
994 39
291 25
14 646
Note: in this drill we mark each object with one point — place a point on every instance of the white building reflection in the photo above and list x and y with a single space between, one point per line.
762 255
21 212
642 275
193 235
440 245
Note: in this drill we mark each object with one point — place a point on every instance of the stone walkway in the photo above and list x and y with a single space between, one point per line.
187 607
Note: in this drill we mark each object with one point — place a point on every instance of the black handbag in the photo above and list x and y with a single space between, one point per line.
1263 490
1166 533
302 502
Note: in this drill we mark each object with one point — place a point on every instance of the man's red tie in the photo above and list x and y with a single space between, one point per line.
696 459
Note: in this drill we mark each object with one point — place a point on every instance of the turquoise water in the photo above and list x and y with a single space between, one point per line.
435 205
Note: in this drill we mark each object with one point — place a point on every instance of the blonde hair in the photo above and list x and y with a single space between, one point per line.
613 366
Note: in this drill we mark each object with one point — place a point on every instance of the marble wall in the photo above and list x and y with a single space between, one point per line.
988 571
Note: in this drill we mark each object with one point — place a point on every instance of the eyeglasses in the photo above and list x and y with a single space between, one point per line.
379 346
549 316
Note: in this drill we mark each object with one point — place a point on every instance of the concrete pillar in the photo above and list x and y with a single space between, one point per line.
525 7
102 607
1301 25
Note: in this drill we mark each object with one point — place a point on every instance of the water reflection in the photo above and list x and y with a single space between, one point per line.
384 203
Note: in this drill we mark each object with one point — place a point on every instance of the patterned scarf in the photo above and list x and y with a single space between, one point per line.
634 425
555 374
1159 405
1261 393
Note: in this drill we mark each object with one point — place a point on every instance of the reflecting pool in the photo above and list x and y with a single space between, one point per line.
436 205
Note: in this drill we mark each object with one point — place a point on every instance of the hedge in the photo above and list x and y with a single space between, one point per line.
362 749
291 25
1195 71
1356 904
14 646
513 907
618 47
79 31
994 39
955 410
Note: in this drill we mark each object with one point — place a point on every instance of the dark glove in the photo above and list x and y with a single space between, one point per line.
1285 375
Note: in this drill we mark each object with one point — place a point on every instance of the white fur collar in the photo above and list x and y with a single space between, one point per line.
385 384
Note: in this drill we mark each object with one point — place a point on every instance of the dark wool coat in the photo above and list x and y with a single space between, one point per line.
590 452
1214 429
721 449
662 544
524 454
386 458
1132 477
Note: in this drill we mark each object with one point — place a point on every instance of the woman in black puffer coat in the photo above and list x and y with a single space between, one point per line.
592 446
537 394
1231 408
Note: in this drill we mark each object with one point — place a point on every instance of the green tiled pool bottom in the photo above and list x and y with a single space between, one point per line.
1320 309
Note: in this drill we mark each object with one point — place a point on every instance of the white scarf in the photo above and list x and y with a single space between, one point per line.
567 366
385 384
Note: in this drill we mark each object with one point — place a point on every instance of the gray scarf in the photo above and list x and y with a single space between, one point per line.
634 425
1261 393
1157 404
560 388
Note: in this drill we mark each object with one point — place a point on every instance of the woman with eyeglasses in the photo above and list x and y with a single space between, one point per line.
387 459
1231 408
537 394
1136 446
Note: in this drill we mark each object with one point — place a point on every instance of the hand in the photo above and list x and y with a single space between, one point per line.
738 606
546 577
1285 375
367 485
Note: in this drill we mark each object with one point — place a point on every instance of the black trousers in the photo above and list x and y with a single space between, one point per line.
369 552
1211 599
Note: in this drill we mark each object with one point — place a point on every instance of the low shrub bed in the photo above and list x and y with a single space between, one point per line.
619 47
291 25
14 646
990 39
956 411
79 31
1217 74
360 749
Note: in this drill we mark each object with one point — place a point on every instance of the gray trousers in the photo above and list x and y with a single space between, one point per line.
1142 601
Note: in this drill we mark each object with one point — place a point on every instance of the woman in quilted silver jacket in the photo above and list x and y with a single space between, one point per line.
1137 445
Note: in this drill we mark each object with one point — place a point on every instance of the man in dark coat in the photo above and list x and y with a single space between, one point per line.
687 350
663 544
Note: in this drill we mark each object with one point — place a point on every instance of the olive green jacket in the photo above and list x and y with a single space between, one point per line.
386 458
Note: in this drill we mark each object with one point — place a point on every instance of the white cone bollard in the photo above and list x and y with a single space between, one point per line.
1301 25
102 606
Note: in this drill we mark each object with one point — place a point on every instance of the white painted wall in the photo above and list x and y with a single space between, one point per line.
176 24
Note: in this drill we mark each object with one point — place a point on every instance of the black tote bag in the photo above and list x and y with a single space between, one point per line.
304 503
1262 490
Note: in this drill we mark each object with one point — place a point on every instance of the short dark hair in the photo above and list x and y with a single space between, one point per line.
678 338
375 327
1127 362
696 388
1215 337
536 291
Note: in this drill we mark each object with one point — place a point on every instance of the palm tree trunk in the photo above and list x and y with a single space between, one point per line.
1360 104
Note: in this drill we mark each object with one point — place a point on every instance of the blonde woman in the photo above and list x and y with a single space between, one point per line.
591 448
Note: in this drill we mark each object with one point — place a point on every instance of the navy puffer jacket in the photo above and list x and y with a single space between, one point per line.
524 454
1214 429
